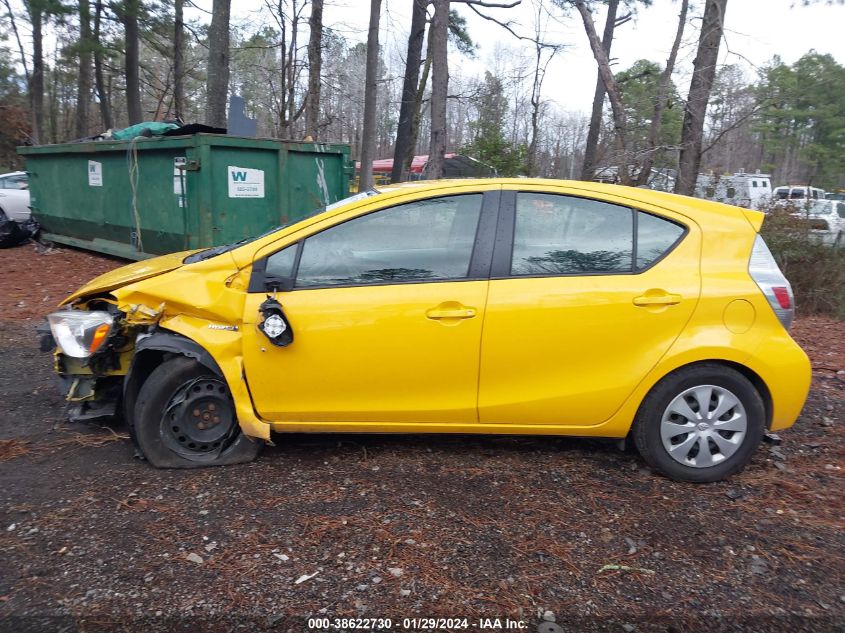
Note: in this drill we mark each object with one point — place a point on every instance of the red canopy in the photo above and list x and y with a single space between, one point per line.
385 165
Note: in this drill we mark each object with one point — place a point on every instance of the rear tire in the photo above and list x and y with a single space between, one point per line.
700 424
184 417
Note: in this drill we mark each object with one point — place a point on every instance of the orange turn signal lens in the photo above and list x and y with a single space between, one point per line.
99 336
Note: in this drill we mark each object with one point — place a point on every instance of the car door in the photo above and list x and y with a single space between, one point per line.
386 311
579 310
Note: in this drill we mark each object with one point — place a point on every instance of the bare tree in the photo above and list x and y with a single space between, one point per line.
178 59
664 83
34 80
588 169
315 63
417 114
610 86
703 73
288 17
405 136
217 86
368 136
543 54
439 42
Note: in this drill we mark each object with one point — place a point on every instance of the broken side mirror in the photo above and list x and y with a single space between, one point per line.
274 324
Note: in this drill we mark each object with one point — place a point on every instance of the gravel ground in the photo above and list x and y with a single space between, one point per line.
338 526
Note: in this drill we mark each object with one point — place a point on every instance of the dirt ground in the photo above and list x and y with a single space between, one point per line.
336 526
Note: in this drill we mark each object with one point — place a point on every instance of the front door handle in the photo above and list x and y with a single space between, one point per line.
657 299
450 310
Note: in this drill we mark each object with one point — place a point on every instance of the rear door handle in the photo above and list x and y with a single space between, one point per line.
664 299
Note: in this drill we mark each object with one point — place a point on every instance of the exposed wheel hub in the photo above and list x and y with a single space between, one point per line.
199 418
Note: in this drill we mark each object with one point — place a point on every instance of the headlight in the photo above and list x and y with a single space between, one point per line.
79 334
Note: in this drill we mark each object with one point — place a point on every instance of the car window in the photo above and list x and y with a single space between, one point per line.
17 182
425 240
563 235
840 209
3 184
655 236
280 264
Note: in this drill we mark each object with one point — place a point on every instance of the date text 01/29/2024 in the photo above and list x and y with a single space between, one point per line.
416 624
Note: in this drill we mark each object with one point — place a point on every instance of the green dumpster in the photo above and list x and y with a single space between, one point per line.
150 196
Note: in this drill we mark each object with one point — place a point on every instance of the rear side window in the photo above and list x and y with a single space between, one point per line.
655 237
563 235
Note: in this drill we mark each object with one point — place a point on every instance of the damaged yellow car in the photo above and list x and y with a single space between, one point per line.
474 306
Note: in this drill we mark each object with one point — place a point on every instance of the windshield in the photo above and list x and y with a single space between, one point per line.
225 248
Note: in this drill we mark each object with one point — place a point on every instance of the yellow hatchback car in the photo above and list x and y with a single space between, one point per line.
506 306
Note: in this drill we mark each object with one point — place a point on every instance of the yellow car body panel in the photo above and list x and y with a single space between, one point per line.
351 362
368 359
128 274
591 359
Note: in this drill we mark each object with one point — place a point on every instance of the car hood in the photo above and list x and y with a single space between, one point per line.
129 274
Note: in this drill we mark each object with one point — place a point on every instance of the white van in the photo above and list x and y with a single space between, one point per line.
740 189
798 194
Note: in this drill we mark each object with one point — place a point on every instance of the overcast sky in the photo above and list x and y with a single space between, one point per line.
756 30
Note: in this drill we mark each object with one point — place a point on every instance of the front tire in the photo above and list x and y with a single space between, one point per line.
184 417
700 424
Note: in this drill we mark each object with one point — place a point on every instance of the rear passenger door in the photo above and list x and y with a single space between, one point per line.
578 310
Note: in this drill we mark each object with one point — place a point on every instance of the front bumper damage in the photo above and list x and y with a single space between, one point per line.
92 387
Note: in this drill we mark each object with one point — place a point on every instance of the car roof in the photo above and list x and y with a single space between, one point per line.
13 173
705 212
670 201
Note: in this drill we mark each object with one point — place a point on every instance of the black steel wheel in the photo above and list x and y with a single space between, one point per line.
185 418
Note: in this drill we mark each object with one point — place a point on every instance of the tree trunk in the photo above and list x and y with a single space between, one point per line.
83 84
662 96
36 88
52 95
531 162
99 81
178 60
131 8
610 87
368 136
315 64
703 73
409 92
417 113
217 88
588 170
439 88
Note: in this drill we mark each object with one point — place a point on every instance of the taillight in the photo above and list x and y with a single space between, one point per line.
782 295
765 272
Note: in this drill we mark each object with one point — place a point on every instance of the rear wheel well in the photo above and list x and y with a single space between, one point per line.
759 385
752 376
